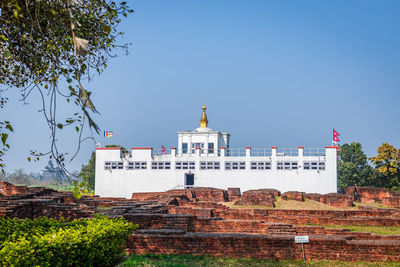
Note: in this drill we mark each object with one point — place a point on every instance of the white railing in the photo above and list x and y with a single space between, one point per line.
193 152
236 152
159 151
240 152
320 152
292 152
261 152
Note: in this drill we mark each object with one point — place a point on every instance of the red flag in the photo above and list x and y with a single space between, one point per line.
336 136
335 133
164 152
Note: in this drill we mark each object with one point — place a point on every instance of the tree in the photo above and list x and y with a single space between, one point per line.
122 148
50 46
88 171
353 167
54 172
387 164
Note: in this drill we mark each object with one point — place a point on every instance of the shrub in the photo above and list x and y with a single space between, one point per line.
47 242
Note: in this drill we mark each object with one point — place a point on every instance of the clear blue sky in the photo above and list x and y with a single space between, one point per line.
278 73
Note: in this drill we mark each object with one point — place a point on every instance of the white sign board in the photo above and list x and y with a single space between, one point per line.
301 239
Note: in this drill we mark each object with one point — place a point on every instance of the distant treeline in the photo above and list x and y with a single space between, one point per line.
51 176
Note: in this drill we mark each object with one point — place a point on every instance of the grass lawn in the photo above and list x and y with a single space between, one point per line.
287 205
380 230
374 204
308 204
188 260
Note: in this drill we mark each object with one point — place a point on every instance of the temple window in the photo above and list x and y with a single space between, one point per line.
136 165
113 165
235 165
185 165
210 148
260 165
184 148
161 165
209 165
287 165
314 165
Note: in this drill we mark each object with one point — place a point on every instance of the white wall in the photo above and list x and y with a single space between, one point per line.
122 183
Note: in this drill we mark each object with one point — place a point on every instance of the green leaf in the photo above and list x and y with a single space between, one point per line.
77 128
60 126
29 158
53 12
4 137
107 29
9 127
16 14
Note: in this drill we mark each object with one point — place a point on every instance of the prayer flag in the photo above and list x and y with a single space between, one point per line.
164 152
108 134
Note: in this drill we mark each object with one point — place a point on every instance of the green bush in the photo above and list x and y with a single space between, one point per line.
47 242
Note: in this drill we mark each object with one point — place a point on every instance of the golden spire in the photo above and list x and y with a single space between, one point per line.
204 121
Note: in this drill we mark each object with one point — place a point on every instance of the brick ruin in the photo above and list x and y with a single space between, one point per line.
370 195
195 221
32 202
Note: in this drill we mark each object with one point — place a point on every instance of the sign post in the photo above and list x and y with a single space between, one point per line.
302 239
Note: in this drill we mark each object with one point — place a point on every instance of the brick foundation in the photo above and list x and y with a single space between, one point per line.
261 197
265 247
336 200
391 201
294 195
234 194
371 194
192 222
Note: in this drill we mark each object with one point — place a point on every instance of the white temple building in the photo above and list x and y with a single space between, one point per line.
204 158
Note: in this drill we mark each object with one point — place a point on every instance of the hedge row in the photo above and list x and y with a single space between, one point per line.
47 242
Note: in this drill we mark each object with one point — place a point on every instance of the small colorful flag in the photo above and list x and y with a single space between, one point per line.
164 152
336 136
108 134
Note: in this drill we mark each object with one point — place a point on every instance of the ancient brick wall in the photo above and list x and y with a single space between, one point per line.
294 195
391 201
313 196
193 194
266 247
301 217
261 197
228 245
198 227
7 189
210 194
336 200
369 194
146 195
234 194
